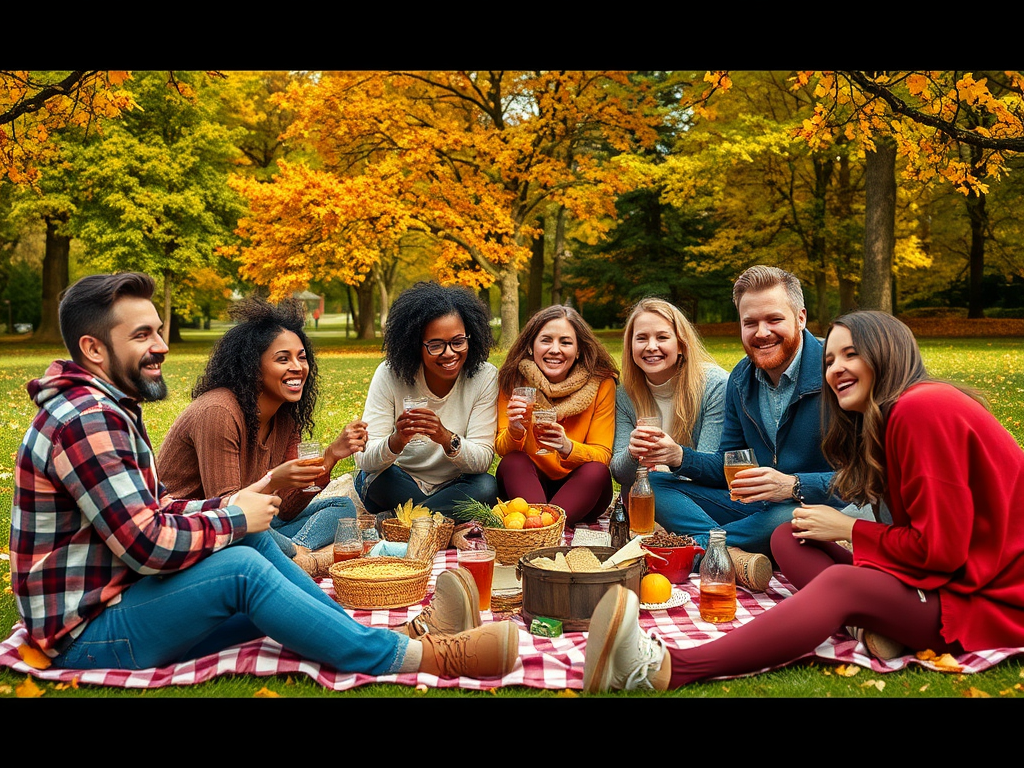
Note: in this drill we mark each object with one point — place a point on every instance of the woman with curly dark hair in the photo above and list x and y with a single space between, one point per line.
248 413
559 356
436 345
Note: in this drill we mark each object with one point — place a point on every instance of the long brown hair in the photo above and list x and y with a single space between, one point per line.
593 356
854 443
691 372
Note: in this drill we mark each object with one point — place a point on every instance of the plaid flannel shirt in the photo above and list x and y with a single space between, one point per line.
90 516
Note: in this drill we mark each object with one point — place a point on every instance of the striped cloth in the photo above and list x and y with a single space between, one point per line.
551 663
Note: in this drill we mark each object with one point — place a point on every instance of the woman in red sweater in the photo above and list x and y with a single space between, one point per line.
941 566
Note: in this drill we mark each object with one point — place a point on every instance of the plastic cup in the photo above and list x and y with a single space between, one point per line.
480 563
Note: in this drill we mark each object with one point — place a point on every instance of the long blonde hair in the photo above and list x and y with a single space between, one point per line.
691 376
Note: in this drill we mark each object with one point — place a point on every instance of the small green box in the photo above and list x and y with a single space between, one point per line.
544 627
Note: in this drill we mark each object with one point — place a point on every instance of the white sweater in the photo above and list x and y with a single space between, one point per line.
470 410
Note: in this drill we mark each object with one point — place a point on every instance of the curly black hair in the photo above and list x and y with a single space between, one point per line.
235 360
423 303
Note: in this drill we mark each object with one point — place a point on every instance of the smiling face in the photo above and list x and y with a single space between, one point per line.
555 349
137 351
655 347
846 372
770 329
283 372
441 371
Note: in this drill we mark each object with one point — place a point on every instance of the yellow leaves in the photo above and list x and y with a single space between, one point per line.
28 690
266 693
944 663
976 693
567 693
33 656
878 685
846 670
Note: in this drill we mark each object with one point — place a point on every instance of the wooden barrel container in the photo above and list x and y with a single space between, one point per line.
570 597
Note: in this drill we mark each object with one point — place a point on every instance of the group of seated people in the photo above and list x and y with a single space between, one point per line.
883 495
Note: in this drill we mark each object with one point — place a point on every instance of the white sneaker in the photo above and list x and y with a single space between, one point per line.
619 655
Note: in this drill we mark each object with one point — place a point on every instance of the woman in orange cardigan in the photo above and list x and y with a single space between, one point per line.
559 356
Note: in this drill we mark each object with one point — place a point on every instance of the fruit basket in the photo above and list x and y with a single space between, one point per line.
510 544
394 530
370 583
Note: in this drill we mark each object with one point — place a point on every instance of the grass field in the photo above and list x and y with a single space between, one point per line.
993 365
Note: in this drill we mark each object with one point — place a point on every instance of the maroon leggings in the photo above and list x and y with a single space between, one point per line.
832 593
584 494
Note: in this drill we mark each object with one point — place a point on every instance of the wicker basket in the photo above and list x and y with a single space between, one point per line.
512 543
394 531
380 582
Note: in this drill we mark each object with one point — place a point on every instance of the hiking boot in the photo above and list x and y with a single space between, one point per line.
487 651
881 647
315 562
619 655
454 608
753 570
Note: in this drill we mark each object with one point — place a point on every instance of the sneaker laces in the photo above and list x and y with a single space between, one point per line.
650 653
450 653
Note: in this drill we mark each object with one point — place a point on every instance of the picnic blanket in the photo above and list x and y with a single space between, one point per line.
552 663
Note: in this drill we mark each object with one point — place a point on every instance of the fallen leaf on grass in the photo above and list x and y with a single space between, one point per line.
33 656
266 693
5 689
73 685
923 688
944 663
847 670
976 693
879 684
28 690
567 693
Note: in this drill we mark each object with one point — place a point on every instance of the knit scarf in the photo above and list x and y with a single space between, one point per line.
572 395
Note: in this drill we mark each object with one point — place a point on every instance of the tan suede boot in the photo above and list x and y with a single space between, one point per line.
487 651
753 570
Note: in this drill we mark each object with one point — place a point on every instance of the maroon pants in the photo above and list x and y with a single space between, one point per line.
584 494
831 593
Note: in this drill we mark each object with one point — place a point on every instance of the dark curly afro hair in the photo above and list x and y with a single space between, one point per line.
235 360
423 303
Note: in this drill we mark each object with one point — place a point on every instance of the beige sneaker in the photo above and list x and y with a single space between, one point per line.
454 608
315 562
487 651
881 647
753 570
619 655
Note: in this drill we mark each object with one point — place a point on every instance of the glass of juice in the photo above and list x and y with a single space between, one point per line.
480 563
348 540
734 462
529 395
311 454
543 416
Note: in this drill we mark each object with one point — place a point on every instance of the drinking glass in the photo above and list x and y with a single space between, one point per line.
348 540
311 454
543 416
734 462
368 530
529 394
411 403
480 563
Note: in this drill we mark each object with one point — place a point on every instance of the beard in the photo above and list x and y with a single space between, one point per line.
781 355
136 384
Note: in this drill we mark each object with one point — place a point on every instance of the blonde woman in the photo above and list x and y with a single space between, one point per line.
666 372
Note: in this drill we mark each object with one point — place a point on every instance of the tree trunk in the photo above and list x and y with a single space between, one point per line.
55 280
534 297
364 324
508 279
559 257
978 217
172 329
879 226
819 257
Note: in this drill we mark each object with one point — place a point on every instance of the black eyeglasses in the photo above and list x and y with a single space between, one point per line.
436 346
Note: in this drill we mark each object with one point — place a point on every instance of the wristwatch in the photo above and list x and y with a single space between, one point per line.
454 446
798 496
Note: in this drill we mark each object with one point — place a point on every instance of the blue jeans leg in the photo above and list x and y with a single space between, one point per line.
685 507
314 526
163 619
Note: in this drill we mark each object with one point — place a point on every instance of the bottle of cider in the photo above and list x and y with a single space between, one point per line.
618 524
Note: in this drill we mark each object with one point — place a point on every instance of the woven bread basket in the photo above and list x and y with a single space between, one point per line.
380 582
512 543
394 531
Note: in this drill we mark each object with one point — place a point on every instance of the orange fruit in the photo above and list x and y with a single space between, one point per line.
518 504
515 520
533 521
655 588
546 518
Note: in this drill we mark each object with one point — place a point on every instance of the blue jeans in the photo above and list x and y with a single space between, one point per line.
245 591
314 526
685 507
395 486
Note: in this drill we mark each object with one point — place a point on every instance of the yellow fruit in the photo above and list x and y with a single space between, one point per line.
515 520
518 504
499 508
655 588
546 518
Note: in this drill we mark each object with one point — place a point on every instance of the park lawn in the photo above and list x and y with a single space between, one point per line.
993 365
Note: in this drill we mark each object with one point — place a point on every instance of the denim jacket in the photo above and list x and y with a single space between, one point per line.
797 449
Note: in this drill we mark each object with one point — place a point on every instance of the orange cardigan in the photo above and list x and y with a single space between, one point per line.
592 433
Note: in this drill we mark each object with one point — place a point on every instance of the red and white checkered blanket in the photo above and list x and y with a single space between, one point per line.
553 663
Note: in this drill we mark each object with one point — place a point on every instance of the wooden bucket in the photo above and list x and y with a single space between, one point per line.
570 597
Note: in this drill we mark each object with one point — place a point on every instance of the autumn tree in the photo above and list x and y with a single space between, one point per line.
467 159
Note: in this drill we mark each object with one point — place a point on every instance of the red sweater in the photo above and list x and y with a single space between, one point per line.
955 488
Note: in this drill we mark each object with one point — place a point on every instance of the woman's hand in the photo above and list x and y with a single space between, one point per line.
821 522
290 474
517 410
350 440
651 446
551 434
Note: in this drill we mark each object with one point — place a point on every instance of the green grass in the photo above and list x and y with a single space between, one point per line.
994 365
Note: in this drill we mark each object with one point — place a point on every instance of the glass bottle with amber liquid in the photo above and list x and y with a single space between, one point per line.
717 581
641 505
618 524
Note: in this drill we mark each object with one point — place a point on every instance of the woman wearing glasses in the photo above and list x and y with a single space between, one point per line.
436 346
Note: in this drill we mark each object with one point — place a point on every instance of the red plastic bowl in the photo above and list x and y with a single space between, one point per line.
679 565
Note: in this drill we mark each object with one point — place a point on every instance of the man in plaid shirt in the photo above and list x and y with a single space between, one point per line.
110 572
